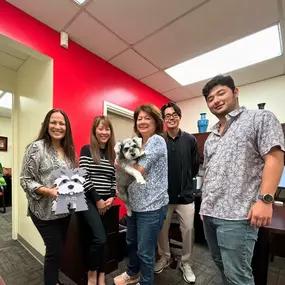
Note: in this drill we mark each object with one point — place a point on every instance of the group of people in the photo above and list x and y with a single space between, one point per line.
243 163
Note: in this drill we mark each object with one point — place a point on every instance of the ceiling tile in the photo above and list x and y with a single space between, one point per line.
9 61
161 82
133 64
191 36
50 12
13 52
178 94
196 88
133 20
257 72
93 36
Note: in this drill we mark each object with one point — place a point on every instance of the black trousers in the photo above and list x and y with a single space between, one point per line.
94 237
54 233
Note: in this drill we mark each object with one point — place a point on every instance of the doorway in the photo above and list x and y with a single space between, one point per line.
122 121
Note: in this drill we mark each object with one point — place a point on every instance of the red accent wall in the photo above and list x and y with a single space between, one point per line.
82 80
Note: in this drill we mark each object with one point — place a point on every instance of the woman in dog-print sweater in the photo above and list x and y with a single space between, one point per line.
100 189
148 201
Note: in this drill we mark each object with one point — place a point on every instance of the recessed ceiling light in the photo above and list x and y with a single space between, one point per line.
80 2
250 50
6 101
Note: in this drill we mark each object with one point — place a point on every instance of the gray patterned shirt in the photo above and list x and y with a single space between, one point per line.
152 195
234 162
38 164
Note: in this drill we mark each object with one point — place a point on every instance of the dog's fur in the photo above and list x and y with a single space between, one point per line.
127 153
70 192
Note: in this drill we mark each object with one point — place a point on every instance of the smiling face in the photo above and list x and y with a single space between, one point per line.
171 118
145 124
103 134
57 126
222 100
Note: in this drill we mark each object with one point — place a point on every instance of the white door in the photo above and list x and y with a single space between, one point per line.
123 126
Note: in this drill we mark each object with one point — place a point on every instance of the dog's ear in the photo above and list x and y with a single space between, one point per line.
79 171
138 141
56 173
118 147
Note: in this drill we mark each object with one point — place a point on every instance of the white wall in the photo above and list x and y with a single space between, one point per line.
6 131
32 101
271 92
7 79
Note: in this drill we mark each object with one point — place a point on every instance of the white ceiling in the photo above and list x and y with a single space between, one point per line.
10 57
143 37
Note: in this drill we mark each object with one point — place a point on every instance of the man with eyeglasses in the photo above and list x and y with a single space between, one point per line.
183 165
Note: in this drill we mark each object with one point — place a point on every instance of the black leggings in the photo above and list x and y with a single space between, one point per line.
53 233
94 237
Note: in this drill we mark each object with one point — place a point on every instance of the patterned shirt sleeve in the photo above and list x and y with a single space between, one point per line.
268 132
30 171
155 147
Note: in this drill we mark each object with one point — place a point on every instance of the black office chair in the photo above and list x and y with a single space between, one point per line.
2 197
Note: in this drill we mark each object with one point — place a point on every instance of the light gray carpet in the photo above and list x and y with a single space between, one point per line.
18 267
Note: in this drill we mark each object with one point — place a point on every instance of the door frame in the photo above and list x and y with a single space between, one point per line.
113 108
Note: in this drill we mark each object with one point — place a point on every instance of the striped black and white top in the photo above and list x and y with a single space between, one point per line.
100 179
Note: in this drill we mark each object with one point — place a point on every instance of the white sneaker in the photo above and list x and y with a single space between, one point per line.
187 271
161 264
125 279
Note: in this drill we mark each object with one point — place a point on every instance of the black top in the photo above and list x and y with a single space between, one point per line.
100 178
183 166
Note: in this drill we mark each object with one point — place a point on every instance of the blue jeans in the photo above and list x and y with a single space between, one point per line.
142 234
231 244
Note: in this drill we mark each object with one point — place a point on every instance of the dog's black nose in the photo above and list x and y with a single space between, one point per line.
70 187
133 154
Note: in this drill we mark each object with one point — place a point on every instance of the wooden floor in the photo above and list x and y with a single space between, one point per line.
18 267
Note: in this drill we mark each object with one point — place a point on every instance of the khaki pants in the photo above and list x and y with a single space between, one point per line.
186 220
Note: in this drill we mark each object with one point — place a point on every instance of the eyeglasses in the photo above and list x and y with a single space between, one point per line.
173 115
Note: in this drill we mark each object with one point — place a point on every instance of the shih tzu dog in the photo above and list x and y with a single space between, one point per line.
127 153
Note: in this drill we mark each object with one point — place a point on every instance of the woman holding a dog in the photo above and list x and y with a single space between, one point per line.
52 150
100 189
148 202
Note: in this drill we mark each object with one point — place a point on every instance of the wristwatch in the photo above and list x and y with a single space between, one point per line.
266 198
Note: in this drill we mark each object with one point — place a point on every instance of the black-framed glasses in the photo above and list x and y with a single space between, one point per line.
173 115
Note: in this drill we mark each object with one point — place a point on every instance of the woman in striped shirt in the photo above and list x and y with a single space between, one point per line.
100 188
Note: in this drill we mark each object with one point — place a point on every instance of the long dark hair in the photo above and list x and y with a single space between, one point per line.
66 142
94 144
154 112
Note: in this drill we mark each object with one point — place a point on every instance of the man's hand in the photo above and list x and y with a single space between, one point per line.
101 206
260 214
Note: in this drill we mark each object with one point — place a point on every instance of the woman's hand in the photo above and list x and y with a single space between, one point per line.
101 206
116 164
109 202
52 192
45 191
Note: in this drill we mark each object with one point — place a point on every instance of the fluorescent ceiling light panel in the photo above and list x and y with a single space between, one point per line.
80 2
252 49
6 101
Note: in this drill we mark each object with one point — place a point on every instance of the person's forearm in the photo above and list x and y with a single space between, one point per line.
43 191
273 168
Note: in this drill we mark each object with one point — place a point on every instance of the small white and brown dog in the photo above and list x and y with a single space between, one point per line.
127 153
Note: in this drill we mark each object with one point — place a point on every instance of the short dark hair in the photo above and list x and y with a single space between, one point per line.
170 105
154 112
218 80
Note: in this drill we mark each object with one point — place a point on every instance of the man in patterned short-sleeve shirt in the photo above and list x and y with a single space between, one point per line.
243 160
